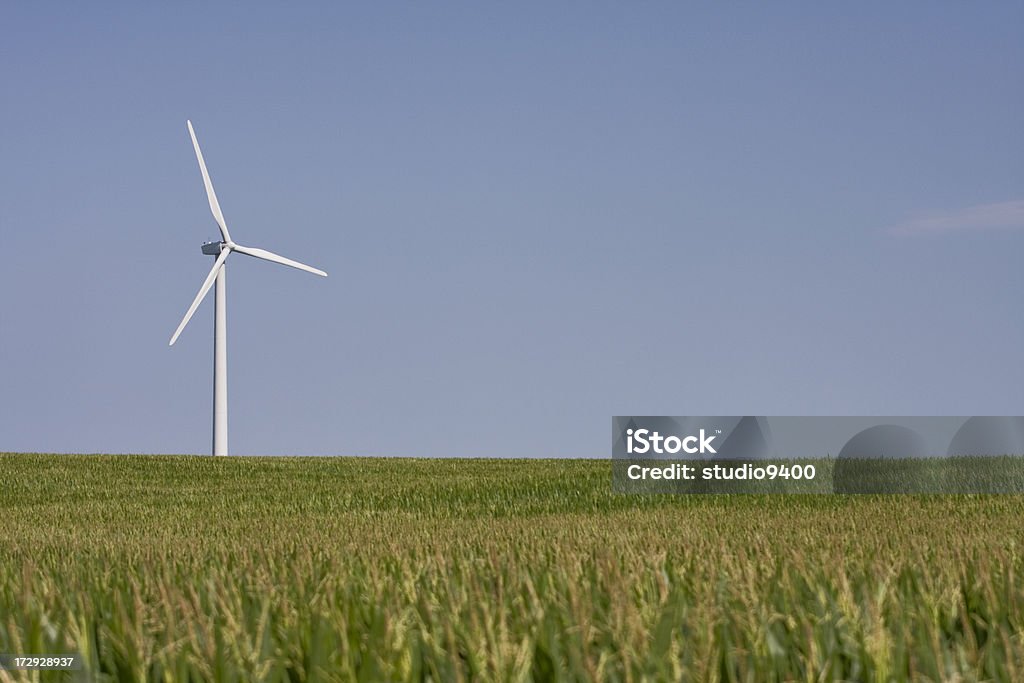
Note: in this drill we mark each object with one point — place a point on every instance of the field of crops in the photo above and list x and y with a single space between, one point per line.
187 568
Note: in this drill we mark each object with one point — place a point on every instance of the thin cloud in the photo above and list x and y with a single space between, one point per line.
998 216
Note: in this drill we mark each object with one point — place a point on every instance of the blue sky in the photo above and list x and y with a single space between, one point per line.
534 217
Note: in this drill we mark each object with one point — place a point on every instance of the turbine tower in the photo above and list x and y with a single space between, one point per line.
222 250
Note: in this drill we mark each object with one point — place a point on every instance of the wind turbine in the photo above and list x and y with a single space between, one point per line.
222 250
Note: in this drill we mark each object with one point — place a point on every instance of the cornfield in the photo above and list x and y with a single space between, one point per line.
177 568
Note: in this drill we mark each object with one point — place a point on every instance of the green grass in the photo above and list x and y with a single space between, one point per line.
186 568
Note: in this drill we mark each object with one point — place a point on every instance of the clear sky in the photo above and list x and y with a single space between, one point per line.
535 216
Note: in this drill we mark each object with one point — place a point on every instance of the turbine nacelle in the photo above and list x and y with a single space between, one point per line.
212 248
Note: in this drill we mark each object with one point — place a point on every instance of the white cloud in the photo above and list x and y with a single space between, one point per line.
1001 215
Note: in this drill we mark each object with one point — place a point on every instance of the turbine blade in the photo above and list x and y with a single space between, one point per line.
210 194
217 265
271 256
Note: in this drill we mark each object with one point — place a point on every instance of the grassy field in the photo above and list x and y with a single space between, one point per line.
187 568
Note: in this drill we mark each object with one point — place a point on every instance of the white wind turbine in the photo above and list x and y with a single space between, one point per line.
222 250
